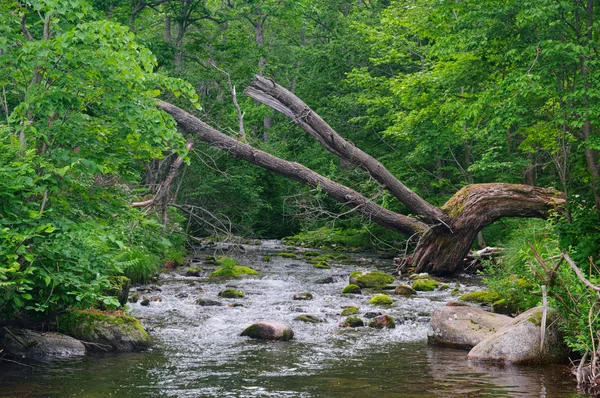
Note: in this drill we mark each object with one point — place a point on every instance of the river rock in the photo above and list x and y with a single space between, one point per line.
463 326
404 290
382 321
25 343
108 331
269 330
207 303
518 342
325 281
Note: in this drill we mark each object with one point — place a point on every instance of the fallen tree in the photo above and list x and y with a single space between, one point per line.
445 234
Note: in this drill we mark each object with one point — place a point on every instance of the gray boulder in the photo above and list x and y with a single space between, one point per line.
518 342
24 343
463 326
269 330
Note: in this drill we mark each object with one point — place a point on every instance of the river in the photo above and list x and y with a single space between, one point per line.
198 352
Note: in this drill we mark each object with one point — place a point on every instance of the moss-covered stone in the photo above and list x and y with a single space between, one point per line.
381 300
352 310
287 255
233 272
322 265
481 296
231 293
445 286
352 289
303 296
311 253
425 284
193 271
503 307
353 322
404 290
112 331
307 318
266 259
371 279
455 292
382 321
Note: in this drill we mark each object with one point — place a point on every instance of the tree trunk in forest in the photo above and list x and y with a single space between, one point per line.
445 234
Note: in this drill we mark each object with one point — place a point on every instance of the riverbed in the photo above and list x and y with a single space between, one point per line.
198 350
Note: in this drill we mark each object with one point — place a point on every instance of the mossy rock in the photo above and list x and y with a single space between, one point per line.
352 289
352 310
308 318
311 254
266 259
381 300
455 292
445 286
233 272
371 279
425 284
109 331
404 290
322 265
303 296
231 293
502 306
414 277
193 271
210 260
353 322
481 296
269 330
287 255
382 321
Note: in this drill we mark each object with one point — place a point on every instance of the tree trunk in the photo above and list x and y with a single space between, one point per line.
445 234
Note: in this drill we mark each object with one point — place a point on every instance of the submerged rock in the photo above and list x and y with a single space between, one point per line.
519 341
307 318
382 321
109 331
25 343
463 326
325 281
269 331
303 296
208 303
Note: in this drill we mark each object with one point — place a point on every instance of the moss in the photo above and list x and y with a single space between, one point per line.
231 293
287 255
113 329
482 296
322 265
445 286
307 318
252 331
371 279
210 260
352 289
381 300
233 272
350 311
425 285
456 204
193 271
536 318
354 322
404 290
455 292
266 259
311 254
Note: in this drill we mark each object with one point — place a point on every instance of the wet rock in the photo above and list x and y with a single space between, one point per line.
404 290
352 289
24 343
307 318
109 331
303 296
269 331
207 303
353 322
372 314
145 302
463 326
325 281
193 271
182 295
518 342
235 305
350 310
371 279
382 321
231 293
381 300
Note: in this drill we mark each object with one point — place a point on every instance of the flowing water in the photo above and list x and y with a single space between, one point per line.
198 351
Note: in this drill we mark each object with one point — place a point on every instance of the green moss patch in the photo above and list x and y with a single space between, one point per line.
482 296
352 289
425 285
231 293
381 300
322 265
371 279
354 322
287 255
352 310
233 272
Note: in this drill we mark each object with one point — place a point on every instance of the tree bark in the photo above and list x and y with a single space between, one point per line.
445 234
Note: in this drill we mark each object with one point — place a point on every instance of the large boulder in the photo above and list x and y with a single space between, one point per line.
518 342
24 343
269 331
463 326
108 331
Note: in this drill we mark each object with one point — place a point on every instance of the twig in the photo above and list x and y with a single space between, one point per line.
580 274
